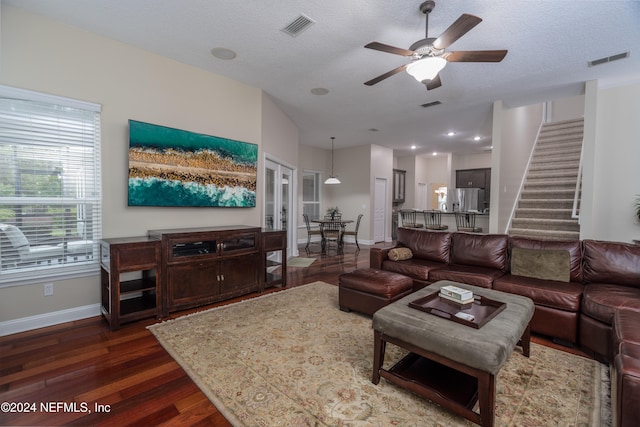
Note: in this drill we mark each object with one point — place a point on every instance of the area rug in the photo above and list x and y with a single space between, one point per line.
292 358
300 262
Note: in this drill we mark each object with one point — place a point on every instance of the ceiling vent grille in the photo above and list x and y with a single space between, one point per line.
298 25
608 59
431 104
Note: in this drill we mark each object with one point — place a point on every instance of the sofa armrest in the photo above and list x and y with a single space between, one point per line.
377 256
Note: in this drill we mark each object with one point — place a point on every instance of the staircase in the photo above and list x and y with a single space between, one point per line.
546 201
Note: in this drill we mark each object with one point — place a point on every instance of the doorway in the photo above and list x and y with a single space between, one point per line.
279 208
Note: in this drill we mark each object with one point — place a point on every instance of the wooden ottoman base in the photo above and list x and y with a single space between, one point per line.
367 290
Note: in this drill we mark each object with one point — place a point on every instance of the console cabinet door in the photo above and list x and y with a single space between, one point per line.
191 284
239 275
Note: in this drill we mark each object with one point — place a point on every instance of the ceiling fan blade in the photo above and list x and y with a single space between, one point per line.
456 30
476 56
385 75
433 83
389 49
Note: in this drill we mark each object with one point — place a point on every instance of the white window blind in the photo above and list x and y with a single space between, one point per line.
50 187
311 193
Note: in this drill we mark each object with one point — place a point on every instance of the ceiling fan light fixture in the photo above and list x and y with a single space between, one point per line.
426 69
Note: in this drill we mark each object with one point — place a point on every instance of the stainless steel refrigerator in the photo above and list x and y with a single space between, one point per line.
468 199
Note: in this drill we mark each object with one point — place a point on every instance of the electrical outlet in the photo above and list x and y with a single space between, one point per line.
48 289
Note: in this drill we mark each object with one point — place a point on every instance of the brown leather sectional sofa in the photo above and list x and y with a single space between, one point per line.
603 279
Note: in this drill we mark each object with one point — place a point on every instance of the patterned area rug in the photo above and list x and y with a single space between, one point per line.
292 358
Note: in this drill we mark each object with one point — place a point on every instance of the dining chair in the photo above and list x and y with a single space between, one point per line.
409 218
354 233
433 220
466 221
310 231
332 231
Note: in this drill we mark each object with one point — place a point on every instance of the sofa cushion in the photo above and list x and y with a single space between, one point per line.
471 275
611 262
400 254
415 268
482 250
560 295
574 247
601 300
545 264
427 245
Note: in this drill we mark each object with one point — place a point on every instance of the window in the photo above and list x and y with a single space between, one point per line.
50 190
311 193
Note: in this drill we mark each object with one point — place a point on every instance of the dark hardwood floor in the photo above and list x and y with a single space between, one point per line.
131 378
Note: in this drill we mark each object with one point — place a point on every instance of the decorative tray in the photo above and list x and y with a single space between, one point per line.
482 309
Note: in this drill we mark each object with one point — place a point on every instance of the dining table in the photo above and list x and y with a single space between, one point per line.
323 221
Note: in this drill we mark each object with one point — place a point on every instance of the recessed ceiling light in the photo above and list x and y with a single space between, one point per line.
413 147
319 91
434 154
223 53
451 133
476 138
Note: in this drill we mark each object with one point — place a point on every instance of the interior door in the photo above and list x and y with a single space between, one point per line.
278 202
379 209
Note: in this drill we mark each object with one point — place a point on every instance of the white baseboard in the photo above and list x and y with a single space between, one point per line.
48 319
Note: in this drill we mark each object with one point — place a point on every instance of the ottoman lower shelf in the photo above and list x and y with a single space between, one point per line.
428 378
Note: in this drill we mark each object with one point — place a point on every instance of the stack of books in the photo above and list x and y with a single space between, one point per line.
456 294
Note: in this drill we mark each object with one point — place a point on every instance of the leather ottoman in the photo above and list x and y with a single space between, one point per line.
625 385
625 375
367 290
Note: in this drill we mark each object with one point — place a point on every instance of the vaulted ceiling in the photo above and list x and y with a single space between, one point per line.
549 43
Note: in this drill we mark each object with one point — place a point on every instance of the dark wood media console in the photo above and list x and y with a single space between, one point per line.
195 266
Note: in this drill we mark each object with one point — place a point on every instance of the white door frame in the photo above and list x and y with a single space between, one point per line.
292 221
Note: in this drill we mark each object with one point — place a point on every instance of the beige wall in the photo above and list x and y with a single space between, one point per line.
45 56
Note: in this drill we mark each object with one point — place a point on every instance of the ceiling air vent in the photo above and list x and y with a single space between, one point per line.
608 59
431 104
298 25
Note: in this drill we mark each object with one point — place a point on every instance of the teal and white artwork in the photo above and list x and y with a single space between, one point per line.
172 167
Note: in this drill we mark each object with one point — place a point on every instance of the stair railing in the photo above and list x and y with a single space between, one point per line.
575 212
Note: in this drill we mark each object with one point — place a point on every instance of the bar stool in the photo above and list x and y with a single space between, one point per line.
409 218
466 221
433 220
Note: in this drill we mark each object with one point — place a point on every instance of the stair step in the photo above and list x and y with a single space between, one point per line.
548 194
546 224
549 182
545 234
541 213
546 203
555 166
558 150
565 123
560 135
554 174
553 160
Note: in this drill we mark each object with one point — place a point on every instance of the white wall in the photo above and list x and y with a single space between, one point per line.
567 108
514 134
612 153
129 83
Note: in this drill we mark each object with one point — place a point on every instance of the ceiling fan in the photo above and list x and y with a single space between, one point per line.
428 56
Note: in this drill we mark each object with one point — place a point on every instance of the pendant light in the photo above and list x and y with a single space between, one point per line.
332 178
